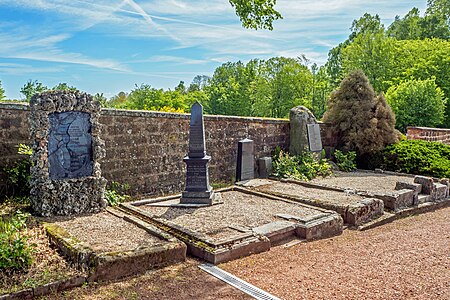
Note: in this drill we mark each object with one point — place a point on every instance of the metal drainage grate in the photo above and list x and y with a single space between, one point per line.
237 283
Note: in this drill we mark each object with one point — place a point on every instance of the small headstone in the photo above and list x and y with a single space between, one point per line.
198 190
314 139
302 137
66 175
245 168
265 167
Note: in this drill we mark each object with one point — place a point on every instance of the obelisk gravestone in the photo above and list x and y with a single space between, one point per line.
198 190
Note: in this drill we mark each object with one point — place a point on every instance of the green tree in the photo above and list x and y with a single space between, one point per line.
102 99
408 27
148 98
417 103
31 88
364 122
372 53
2 92
256 14
62 86
119 100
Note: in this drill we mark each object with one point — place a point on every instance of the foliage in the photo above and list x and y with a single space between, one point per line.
2 92
268 88
418 157
364 122
15 254
18 176
417 103
256 13
115 193
148 98
32 87
63 87
300 167
345 161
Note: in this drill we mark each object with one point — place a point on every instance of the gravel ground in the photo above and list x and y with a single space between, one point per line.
362 181
406 259
239 209
104 232
297 190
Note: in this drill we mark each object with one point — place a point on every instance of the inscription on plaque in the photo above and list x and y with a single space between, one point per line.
70 145
315 141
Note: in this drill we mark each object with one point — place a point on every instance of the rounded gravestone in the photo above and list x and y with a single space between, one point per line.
300 117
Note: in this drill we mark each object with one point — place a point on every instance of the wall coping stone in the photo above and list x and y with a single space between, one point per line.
428 128
14 105
158 114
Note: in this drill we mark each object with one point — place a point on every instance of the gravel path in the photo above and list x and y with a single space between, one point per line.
406 259
239 209
362 181
104 232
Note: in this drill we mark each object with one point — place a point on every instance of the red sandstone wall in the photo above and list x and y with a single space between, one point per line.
429 134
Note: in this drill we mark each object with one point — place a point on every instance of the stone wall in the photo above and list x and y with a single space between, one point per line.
145 149
429 134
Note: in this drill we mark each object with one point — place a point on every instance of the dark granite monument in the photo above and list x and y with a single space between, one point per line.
66 176
198 190
245 168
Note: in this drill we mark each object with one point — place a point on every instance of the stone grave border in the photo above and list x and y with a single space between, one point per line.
103 266
398 203
326 224
356 214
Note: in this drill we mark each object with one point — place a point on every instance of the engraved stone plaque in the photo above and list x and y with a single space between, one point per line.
315 141
69 145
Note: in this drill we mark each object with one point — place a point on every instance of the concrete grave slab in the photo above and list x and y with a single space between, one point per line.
112 245
247 222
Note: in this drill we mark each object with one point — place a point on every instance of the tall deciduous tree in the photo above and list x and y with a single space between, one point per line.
417 103
256 14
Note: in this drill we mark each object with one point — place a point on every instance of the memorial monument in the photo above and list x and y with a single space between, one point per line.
198 190
245 168
304 132
65 175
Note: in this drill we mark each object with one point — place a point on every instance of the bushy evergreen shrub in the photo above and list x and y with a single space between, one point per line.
363 121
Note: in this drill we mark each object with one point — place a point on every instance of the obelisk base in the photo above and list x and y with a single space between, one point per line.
198 190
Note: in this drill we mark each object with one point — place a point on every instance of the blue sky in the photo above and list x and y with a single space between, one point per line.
109 46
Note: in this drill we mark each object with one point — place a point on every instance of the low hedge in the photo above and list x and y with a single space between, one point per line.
418 157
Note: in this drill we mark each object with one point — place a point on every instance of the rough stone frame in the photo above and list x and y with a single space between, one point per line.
64 196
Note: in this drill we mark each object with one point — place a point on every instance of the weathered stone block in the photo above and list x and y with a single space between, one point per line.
398 199
427 184
364 211
440 191
265 167
446 181
330 225
416 187
299 118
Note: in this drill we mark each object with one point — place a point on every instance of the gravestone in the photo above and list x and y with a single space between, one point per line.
245 168
304 131
198 190
265 167
66 176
